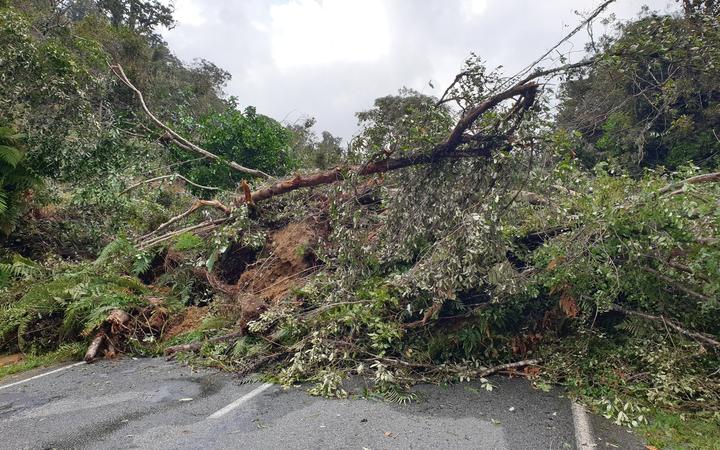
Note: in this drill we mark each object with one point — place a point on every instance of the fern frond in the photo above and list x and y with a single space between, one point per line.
10 155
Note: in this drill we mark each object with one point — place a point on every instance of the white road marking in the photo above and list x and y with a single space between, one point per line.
584 439
42 375
239 401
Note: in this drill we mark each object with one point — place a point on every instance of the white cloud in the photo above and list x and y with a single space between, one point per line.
474 7
189 13
323 32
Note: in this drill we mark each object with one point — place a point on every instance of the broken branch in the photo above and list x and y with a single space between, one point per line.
165 177
195 206
675 188
196 346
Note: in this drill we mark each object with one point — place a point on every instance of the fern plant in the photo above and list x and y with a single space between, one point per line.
15 179
64 307
18 268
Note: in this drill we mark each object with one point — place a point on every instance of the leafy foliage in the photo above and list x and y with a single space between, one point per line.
552 242
70 302
653 98
256 140
307 151
15 179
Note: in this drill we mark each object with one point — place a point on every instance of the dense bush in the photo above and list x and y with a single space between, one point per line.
15 179
653 99
246 137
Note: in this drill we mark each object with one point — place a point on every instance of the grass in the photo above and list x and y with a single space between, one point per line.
683 431
70 352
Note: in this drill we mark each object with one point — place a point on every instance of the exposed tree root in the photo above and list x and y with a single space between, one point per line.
95 347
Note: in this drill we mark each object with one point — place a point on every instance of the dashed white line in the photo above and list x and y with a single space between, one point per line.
584 439
239 401
41 375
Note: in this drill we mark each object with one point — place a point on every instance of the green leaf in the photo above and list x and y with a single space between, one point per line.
10 155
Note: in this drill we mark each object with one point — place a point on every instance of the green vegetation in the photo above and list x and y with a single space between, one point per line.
261 142
683 431
68 352
653 100
453 238
15 179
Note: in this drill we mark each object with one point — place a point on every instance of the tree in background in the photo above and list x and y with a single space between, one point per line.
654 98
711 7
141 15
310 152
400 123
80 124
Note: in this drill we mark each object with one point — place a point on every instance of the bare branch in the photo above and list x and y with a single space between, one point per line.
676 285
198 228
491 370
196 206
527 90
165 177
672 324
567 37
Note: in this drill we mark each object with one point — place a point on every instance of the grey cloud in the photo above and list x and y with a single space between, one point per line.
429 39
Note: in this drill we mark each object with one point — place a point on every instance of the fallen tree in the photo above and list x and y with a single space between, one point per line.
472 250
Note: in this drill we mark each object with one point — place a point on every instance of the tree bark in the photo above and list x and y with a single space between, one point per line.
339 173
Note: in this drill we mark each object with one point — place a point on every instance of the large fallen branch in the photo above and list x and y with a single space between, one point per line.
181 141
340 173
461 143
477 144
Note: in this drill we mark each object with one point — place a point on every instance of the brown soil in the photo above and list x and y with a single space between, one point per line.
6 360
284 265
188 320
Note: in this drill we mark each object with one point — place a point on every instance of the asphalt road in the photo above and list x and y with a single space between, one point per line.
151 403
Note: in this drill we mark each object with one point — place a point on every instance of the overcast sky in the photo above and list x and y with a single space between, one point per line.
331 58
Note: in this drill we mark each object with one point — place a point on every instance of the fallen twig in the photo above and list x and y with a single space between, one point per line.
489 371
164 177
